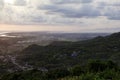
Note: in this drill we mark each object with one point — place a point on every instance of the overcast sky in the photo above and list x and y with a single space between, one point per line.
60 15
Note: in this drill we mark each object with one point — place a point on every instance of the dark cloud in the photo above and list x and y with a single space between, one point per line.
113 14
70 1
116 4
86 11
102 5
112 10
20 2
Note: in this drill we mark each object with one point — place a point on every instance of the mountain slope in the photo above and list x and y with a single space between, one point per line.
66 54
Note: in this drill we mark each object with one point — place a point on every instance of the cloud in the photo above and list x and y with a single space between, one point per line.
20 2
116 4
1 4
70 1
80 13
110 10
86 11
102 5
38 19
113 13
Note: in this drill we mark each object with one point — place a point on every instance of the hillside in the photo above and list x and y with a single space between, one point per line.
93 59
67 54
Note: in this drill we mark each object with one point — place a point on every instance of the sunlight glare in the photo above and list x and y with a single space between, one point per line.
9 1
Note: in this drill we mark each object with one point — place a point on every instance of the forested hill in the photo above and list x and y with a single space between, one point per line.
62 53
94 59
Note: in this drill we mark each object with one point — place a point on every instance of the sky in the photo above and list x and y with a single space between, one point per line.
60 15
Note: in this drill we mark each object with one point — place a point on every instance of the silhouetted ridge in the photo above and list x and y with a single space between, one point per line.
115 35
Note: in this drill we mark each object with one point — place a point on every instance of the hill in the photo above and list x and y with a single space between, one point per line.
68 54
93 59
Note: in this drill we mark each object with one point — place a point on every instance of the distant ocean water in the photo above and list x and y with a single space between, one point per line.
6 34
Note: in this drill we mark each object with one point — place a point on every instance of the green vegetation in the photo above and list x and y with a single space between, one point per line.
99 71
67 54
95 59
94 70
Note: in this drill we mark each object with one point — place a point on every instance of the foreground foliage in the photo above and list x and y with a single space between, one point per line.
94 70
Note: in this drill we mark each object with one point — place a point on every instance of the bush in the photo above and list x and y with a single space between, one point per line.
58 73
76 70
96 66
